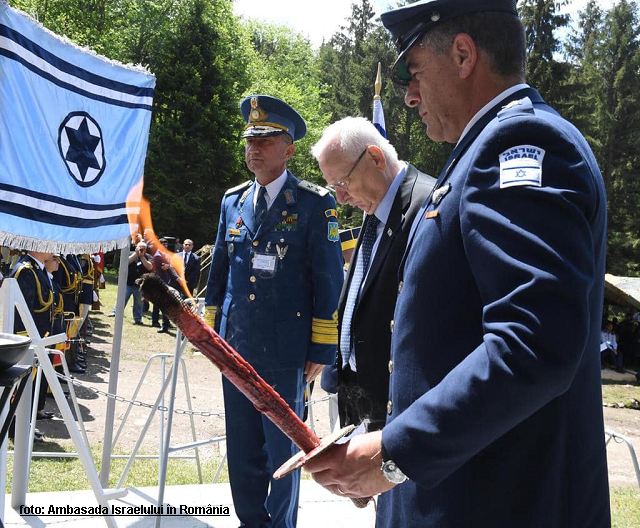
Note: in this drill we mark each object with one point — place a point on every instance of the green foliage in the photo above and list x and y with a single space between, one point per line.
193 156
205 60
284 65
605 50
541 22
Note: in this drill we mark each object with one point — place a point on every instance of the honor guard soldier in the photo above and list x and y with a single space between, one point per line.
37 290
68 275
494 416
274 285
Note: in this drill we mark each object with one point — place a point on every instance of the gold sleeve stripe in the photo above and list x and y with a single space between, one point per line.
324 331
324 339
210 313
327 322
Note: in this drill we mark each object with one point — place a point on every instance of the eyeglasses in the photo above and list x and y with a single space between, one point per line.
343 183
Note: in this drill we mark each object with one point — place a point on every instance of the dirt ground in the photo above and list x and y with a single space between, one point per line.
205 398
204 383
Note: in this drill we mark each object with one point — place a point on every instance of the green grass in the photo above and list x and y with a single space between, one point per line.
621 394
70 474
625 507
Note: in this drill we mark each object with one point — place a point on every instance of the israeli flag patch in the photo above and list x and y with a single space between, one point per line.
521 165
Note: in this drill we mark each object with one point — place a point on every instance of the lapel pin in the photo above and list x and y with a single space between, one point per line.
431 214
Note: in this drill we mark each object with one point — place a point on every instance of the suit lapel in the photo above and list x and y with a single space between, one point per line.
400 205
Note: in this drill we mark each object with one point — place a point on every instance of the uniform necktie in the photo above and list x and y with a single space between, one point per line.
369 235
186 258
260 209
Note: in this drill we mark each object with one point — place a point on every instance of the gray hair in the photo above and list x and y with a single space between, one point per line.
500 35
351 136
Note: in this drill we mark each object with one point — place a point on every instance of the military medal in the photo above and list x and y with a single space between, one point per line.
282 251
244 196
439 194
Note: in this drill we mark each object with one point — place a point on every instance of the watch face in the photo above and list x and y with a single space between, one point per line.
393 473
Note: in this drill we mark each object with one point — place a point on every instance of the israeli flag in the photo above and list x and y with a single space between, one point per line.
378 117
74 129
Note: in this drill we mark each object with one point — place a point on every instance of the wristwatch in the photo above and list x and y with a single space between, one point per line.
391 471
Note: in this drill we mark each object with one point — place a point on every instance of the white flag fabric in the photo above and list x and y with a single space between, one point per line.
74 129
378 117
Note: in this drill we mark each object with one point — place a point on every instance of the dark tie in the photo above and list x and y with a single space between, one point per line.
260 209
369 235
186 258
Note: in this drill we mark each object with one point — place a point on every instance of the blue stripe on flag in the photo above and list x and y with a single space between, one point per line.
63 201
70 87
31 213
72 69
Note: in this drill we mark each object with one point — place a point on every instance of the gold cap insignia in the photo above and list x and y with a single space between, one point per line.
256 114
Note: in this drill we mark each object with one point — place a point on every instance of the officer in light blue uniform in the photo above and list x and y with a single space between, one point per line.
494 416
272 291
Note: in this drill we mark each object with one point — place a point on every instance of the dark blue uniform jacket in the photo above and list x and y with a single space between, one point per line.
495 396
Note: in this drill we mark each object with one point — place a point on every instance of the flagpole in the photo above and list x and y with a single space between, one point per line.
378 83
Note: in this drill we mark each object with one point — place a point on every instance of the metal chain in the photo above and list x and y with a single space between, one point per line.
161 408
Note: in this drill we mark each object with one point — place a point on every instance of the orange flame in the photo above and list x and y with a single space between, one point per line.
142 222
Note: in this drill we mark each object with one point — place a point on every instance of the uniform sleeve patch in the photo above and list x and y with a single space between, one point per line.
331 212
333 234
521 165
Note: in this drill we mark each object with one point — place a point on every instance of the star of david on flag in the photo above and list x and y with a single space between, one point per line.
74 130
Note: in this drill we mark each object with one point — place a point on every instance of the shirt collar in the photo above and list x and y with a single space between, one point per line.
384 207
273 188
490 105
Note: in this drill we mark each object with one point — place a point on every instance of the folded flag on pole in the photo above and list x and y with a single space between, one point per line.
378 114
74 129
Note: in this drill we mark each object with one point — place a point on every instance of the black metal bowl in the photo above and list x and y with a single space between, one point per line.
12 348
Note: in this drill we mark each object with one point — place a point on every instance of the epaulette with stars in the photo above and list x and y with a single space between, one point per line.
312 187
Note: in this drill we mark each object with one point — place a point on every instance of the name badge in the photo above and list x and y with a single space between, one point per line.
264 262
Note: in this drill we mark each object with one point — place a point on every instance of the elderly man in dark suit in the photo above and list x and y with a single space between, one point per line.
494 416
191 265
390 192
